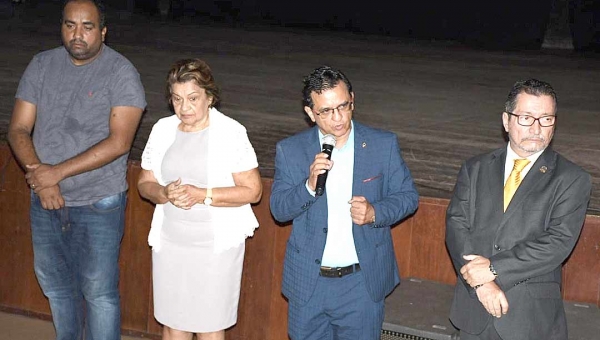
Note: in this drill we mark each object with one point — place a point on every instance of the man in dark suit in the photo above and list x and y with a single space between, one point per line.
507 245
339 262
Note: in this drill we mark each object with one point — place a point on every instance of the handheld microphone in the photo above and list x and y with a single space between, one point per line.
328 144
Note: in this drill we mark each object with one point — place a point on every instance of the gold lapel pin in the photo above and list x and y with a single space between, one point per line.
364 144
543 169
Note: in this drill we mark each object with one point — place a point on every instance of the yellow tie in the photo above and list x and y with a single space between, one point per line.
514 179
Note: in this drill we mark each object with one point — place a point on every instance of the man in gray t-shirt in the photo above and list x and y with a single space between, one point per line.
85 101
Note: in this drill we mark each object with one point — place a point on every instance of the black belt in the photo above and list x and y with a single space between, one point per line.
339 271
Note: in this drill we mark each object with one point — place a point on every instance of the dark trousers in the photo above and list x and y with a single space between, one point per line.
489 333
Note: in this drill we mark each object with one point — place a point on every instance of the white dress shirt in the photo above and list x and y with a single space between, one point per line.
340 250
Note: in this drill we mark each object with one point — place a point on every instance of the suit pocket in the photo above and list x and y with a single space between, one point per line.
544 290
371 179
535 205
371 187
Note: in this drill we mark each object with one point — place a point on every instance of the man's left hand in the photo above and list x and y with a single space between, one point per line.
41 176
493 299
361 210
477 271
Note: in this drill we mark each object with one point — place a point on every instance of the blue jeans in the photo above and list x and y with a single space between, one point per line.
76 253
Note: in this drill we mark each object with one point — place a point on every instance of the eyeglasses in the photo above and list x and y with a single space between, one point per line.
342 108
526 120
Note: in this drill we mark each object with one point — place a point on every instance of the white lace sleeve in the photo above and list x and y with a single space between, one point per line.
245 156
147 155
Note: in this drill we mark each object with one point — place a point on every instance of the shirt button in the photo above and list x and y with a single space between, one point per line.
325 230
497 247
317 261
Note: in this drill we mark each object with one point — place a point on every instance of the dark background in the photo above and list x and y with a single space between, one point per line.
507 24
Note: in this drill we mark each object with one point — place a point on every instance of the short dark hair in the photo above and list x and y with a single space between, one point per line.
195 70
533 87
322 78
99 6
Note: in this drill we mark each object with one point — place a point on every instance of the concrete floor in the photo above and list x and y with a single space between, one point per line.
19 327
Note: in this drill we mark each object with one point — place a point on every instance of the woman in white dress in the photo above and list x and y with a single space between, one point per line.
200 170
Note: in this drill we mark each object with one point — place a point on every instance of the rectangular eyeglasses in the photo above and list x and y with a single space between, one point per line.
527 120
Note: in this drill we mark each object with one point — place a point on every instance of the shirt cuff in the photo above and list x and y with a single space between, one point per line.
313 193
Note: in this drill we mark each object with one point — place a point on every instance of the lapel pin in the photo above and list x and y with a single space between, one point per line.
364 144
543 169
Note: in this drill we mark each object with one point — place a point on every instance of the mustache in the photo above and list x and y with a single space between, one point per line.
534 139
77 41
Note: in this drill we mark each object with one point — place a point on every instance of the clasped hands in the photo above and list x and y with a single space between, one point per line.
182 196
477 274
43 179
41 176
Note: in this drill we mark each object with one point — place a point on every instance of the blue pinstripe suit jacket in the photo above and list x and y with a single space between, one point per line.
380 175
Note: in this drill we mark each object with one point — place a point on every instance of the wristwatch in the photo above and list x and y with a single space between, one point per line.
208 198
493 270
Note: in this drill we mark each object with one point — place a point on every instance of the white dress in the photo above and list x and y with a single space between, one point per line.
195 290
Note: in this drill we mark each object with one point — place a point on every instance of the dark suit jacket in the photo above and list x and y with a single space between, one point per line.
527 244
380 175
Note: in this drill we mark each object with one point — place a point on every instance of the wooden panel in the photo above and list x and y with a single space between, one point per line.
402 238
429 258
418 241
279 317
18 286
135 260
581 273
277 304
444 269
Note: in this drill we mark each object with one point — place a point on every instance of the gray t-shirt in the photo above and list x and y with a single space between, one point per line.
73 110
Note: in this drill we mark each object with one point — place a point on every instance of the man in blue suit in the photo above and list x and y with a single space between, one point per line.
339 262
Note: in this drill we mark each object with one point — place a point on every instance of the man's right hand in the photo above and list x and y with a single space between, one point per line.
493 299
51 198
319 165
